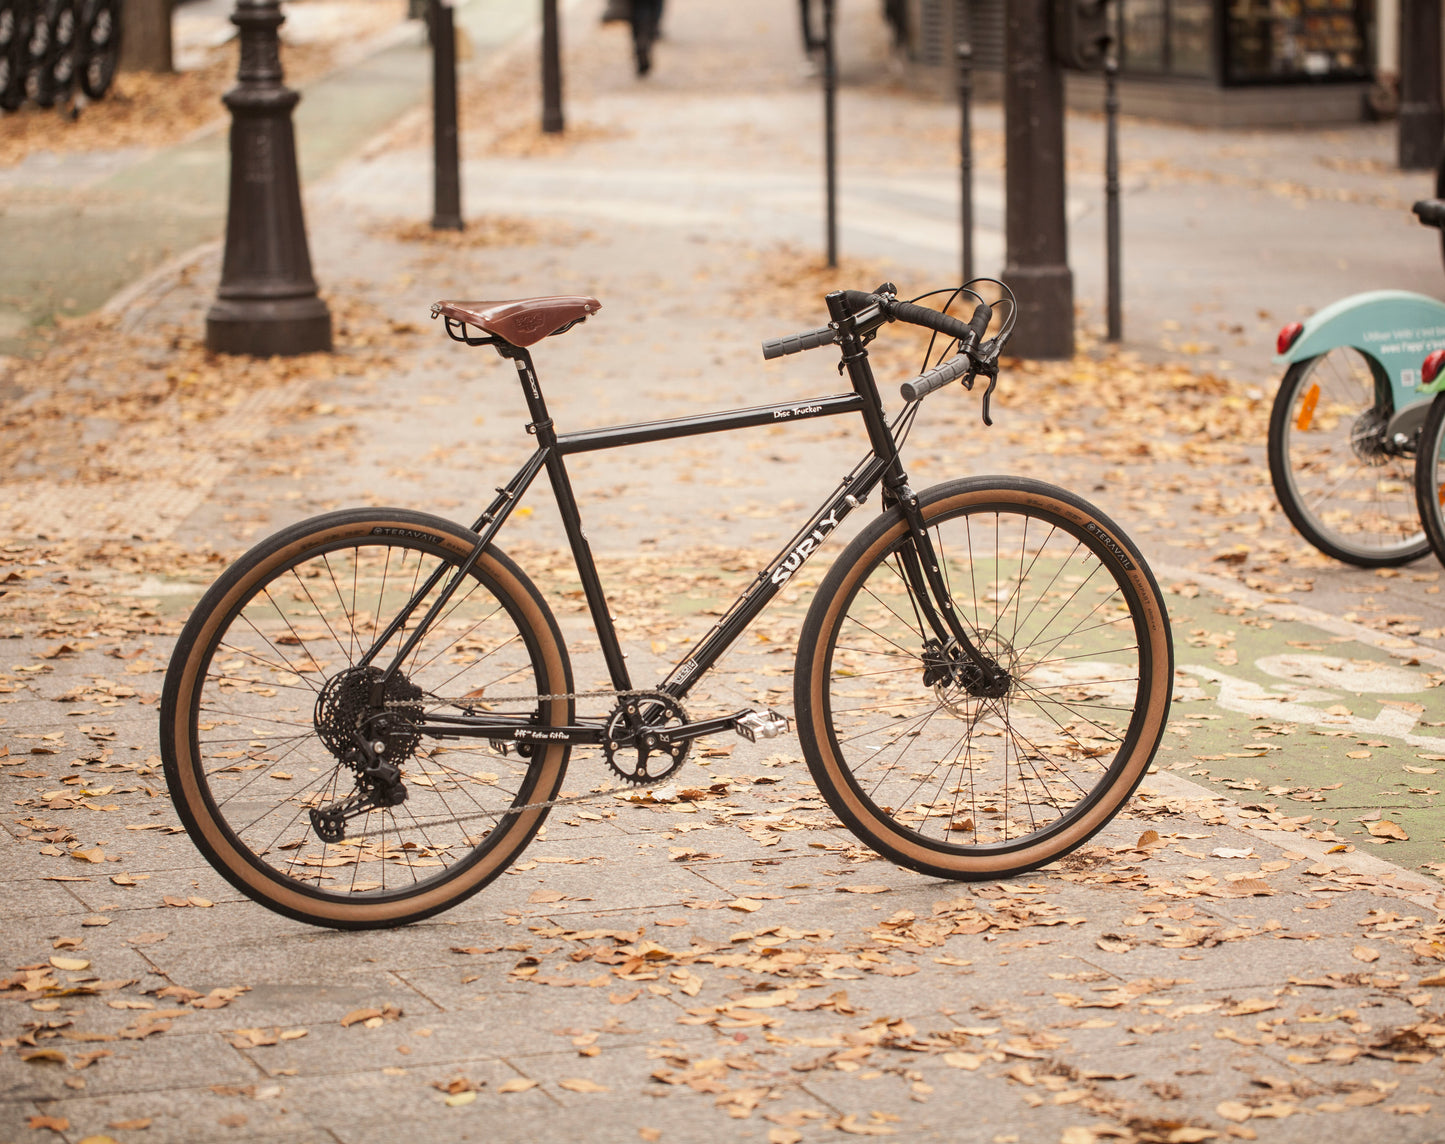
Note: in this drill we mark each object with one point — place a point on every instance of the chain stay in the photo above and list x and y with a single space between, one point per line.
591 796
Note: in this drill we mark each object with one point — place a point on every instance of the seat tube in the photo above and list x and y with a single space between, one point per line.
541 427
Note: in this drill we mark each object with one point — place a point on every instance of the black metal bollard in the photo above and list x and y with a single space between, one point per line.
446 159
830 130
1114 288
964 52
267 302
552 122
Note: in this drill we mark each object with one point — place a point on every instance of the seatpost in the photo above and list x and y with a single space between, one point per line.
541 424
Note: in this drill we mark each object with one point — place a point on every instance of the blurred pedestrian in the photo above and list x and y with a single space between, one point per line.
646 20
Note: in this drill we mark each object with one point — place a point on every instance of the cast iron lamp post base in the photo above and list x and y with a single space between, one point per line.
267 302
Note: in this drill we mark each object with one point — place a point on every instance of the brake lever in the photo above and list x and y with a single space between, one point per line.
990 370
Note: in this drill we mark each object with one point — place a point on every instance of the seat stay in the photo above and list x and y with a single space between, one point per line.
490 523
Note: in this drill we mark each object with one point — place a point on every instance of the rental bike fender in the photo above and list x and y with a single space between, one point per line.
1395 329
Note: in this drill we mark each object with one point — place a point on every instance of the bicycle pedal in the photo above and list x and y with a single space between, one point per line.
757 725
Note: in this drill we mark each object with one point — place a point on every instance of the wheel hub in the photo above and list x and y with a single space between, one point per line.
948 669
1367 437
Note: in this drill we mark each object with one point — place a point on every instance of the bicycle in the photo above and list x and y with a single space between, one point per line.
1346 421
367 718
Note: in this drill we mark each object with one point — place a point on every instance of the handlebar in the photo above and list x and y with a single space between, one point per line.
869 311
797 343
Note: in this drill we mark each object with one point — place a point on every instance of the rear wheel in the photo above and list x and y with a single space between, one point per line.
1346 488
275 748
947 776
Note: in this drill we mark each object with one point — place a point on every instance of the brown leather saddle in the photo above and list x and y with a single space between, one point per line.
520 321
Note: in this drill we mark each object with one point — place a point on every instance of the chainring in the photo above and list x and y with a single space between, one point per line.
655 759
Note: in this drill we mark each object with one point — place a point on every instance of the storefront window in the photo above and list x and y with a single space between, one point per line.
1143 35
1191 37
1294 40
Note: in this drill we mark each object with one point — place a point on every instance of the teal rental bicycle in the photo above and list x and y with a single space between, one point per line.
1347 419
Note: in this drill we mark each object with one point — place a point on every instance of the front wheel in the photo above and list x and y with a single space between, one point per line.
959 780
1343 485
277 732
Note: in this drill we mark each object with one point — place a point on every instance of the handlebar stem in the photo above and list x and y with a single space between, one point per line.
860 373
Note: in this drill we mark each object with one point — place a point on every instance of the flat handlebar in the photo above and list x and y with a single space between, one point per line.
967 334
869 311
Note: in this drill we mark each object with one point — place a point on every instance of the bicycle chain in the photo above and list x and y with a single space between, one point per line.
591 796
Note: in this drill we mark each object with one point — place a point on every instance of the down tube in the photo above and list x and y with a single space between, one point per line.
770 580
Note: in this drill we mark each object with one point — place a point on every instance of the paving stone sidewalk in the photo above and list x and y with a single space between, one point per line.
1232 958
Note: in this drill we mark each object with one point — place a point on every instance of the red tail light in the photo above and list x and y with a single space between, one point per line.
1288 335
1431 369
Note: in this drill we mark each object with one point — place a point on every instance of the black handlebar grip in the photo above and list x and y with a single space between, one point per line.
797 343
936 378
1431 212
982 315
916 315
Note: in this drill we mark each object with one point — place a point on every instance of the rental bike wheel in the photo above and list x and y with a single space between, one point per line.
99 46
14 52
1348 490
1430 477
972 786
268 695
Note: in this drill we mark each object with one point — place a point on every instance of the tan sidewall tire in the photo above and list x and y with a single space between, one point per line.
276 891
834 596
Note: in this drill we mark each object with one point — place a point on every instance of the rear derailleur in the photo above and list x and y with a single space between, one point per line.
378 785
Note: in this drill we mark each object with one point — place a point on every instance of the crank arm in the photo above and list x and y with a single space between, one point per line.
751 724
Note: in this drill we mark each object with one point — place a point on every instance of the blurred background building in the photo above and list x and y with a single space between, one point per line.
1226 63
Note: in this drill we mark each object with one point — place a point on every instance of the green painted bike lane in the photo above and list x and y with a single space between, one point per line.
1299 718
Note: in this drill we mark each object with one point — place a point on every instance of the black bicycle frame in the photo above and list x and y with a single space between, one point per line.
883 464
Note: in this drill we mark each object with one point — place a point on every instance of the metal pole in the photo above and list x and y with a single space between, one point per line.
1115 288
830 126
965 152
551 69
1421 116
446 159
1037 264
267 302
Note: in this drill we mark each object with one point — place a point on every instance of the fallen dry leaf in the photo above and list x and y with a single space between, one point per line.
52 1056
579 1084
1233 1110
517 1084
856 1127
1365 953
